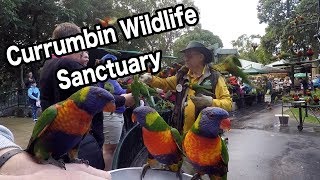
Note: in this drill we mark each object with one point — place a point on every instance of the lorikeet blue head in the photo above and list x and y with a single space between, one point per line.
94 99
139 114
149 118
210 121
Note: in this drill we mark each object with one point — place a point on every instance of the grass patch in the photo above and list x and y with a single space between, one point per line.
309 119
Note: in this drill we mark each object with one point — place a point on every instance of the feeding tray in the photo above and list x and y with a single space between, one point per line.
134 173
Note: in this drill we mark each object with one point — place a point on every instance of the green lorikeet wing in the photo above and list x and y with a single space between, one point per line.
135 90
224 152
46 118
177 137
224 156
109 87
145 93
152 91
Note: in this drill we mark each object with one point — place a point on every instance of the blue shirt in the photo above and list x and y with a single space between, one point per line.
32 91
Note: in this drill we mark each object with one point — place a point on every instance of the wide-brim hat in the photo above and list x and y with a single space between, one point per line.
195 45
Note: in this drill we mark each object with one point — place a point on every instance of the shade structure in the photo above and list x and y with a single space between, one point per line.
268 69
252 70
300 75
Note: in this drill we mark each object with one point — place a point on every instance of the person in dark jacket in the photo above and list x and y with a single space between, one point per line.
51 94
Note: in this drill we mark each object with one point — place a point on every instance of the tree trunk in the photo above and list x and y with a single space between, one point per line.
22 76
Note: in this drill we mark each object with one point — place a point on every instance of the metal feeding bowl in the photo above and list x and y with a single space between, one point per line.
134 173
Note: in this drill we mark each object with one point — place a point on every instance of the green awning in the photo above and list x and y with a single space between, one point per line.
300 75
252 70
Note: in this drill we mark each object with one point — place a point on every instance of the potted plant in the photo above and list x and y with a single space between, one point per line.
283 118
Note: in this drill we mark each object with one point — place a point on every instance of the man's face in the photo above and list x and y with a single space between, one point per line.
84 59
81 57
193 58
30 74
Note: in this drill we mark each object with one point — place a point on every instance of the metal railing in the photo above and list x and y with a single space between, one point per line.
14 98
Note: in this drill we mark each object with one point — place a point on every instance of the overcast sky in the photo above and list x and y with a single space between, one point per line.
230 18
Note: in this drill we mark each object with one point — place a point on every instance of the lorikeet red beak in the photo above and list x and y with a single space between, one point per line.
109 107
133 118
225 124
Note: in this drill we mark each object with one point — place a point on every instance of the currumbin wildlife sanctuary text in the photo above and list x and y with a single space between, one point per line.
132 27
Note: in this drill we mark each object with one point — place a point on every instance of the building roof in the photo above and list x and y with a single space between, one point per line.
247 64
277 63
226 51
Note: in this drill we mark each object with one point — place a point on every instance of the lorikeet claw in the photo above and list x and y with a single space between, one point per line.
58 163
145 168
80 161
197 176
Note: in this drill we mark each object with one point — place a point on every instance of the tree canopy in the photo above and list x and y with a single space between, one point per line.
291 24
204 36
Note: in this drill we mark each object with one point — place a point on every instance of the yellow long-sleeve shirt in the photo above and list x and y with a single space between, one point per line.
222 100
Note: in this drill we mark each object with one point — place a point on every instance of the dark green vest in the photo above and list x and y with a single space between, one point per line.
177 119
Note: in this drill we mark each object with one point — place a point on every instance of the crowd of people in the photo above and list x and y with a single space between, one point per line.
106 128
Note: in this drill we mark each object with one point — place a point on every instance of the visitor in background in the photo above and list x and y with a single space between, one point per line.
34 99
91 146
310 85
29 80
287 84
297 84
269 92
112 122
84 58
304 85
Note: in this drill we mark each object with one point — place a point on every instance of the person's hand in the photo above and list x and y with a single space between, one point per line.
23 166
202 101
53 174
129 99
146 78
159 91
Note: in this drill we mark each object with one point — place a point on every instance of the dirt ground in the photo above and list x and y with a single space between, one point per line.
20 127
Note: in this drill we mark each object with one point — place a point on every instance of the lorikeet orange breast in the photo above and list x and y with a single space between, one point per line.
161 146
203 153
208 150
62 126
71 119
160 139
203 145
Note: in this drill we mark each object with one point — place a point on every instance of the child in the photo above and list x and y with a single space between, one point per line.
34 99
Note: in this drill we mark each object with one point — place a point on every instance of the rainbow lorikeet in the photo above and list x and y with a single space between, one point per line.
162 141
203 146
201 89
140 89
62 126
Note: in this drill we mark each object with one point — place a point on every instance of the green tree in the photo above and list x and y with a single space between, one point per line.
287 19
245 45
204 36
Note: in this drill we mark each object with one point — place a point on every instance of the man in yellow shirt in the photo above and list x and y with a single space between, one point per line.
196 70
